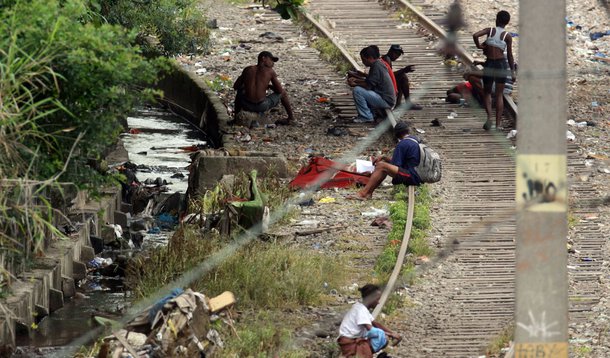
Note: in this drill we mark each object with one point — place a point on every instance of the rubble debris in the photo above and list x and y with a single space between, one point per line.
180 327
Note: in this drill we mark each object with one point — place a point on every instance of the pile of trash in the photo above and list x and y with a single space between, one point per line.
179 325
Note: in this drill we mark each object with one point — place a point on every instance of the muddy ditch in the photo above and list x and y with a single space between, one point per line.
159 144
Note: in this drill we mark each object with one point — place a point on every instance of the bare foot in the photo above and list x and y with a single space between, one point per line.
359 197
284 122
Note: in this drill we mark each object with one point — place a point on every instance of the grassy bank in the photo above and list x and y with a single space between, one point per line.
418 245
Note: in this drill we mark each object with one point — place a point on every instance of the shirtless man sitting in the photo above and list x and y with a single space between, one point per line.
252 85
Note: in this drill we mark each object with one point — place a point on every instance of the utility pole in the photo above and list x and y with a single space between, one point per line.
541 320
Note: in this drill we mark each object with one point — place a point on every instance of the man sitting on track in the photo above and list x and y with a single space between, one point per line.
252 85
402 81
359 334
401 167
376 90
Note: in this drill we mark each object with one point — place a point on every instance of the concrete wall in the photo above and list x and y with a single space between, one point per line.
188 95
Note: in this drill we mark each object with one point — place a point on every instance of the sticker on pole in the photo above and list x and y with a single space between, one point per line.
541 350
542 183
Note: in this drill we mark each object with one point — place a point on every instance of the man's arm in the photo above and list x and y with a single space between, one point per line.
478 34
360 82
406 69
277 88
387 331
509 54
239 82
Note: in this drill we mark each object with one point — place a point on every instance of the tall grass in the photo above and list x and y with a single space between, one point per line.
274 275
26 217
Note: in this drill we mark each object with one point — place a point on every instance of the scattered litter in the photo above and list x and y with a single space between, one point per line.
579 340
604 170
323 100
594 104
598 35
422 260
272 36
374 212
99 262
308 223
382 222
337 131
512 134
420 131
570 136
587 259
573 123
201 71
364 166
327 200
154 230
166 221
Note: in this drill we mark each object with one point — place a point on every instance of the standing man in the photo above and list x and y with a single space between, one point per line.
373 91
402 81
401 167
252 85
495 68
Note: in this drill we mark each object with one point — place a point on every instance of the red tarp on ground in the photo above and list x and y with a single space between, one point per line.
340 175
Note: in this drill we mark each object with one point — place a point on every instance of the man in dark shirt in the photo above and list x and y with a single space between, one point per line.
401 167
376 90
402 81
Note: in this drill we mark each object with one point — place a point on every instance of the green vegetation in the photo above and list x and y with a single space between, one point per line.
261 274
330 53
583 351
501 341
165 27
70 72
262 334
418 245
273 275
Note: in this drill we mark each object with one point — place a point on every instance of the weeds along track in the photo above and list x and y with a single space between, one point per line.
467 299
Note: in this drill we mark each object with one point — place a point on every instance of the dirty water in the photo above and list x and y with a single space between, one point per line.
159 143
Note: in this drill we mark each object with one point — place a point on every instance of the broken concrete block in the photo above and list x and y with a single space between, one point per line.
87 253
68 287
221 301
120 218
207 171
79 270
56 299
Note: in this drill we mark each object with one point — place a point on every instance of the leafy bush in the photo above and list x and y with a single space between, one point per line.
98 72
177 25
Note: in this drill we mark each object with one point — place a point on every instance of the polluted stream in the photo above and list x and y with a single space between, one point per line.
159 144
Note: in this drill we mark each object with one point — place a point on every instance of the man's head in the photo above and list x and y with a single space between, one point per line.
369 55
266 59
402 129
502 18
395 52
370 295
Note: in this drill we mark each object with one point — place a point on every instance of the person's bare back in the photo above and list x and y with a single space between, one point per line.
252 85
256 80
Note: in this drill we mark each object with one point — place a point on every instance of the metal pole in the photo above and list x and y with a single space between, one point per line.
541 328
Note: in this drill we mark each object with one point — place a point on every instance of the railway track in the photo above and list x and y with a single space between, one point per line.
468 299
